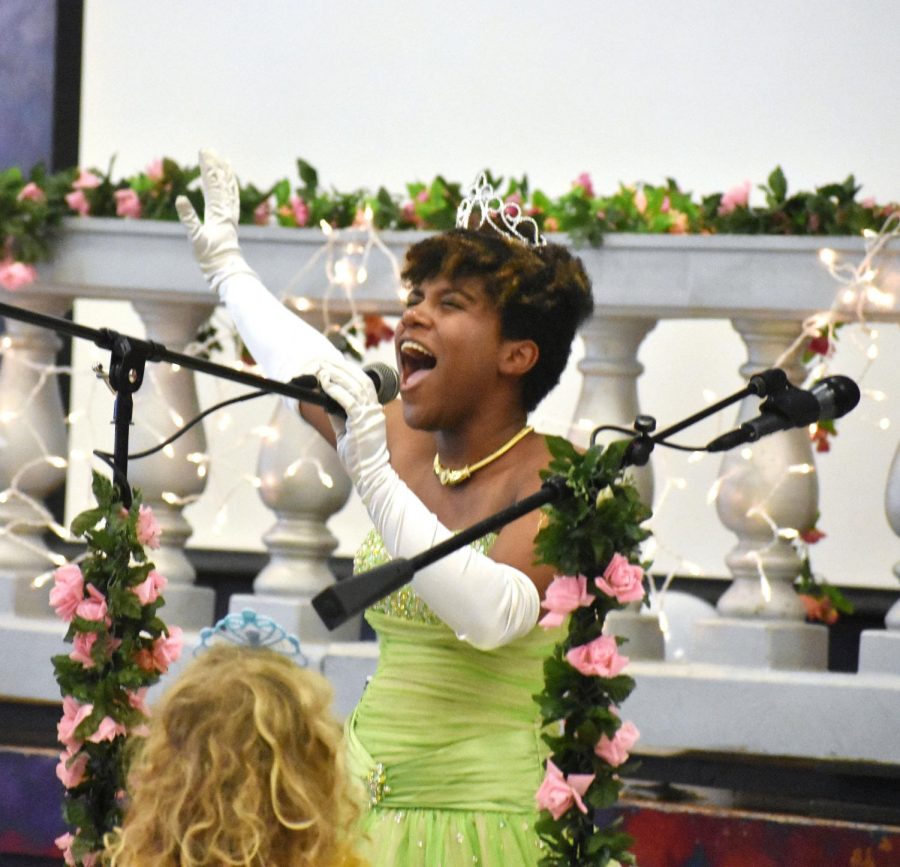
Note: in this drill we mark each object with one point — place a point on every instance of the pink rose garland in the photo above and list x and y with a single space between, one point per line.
148 529
615 750
67 591
622 580
600 657
563 596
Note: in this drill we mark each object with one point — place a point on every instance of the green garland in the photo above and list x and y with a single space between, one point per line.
32 207
111 601
586 534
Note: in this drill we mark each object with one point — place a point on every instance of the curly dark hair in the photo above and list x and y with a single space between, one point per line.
542 293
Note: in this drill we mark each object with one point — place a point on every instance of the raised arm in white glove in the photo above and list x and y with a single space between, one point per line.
282 343
485 602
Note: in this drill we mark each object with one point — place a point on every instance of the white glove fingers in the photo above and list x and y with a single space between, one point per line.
188 217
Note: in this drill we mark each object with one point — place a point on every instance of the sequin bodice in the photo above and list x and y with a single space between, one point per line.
405 602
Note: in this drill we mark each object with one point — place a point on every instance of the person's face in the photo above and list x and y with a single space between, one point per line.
448 347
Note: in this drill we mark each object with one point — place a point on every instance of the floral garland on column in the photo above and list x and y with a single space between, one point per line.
593 537
110 599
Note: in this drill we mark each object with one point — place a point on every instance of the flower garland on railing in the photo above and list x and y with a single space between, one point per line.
110 598
32 207
593 537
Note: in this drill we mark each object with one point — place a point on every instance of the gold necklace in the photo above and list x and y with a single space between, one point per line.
454 477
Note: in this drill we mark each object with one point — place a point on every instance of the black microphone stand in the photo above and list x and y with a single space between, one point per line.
337 603
128 359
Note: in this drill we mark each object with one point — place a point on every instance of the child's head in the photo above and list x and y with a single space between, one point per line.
541 293
243 765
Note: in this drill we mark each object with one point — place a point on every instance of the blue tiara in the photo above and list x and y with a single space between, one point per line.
249 629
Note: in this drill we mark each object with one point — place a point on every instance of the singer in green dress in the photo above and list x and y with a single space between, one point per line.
445 740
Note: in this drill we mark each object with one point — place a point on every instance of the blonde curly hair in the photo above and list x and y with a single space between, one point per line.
243 765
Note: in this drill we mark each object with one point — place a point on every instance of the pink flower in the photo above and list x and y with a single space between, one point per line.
557 793
615 751
422 196
64 844
94 607
148 530
108 730
74 713
154 170
128 204
665 206
300 210
68 591
167 649
584 182
31 192
622 580
736 197
563 596
83 643
640 200
14 275
77 201
149 589
262 213
599 657
71 768
86 181
679 224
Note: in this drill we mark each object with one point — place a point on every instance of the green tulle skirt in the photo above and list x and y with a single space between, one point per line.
446 740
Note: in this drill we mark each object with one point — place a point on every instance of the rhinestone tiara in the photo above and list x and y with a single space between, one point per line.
249 629
505 218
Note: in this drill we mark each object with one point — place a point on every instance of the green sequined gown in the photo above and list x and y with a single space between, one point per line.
447 739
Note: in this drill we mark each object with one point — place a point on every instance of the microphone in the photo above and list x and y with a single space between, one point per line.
383 376
829 398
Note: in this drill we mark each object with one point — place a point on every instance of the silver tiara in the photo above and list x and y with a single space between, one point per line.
505 218
249 629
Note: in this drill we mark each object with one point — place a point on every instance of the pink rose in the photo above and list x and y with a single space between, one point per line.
262 213
154 170
64 844
149 589
584 181
167 649
74 713
640 200
736 197
14 275
622 580
67 591
138 700
71 768
557 793
599 657
94 607
148 530
615 752
83 643
86 181
31 192
563 596
128 204
108 730
77 201
300 210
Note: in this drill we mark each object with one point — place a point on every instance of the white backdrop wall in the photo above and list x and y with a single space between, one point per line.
384 93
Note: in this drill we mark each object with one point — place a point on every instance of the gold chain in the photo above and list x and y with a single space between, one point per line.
454 477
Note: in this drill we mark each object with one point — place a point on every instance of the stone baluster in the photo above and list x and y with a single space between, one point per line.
610 371
32 450
168 479
765 488
303 482
879 649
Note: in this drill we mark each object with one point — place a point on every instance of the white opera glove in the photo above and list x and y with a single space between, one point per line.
283 345
484 602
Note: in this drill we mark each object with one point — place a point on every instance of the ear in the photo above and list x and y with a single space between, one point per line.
517 357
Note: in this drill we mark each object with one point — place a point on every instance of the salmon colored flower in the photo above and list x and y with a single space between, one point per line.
78 202
557 792
551 224
736 197
14 275
86 181
812 535
819 608
72 767
31 192
149 589
148 529
640 200
94 607
128 204
262 213
108 730
154 170
74 714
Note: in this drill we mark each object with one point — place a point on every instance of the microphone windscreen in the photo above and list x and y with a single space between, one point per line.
837 395
386 379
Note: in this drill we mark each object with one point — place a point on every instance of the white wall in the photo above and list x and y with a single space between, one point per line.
384 93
